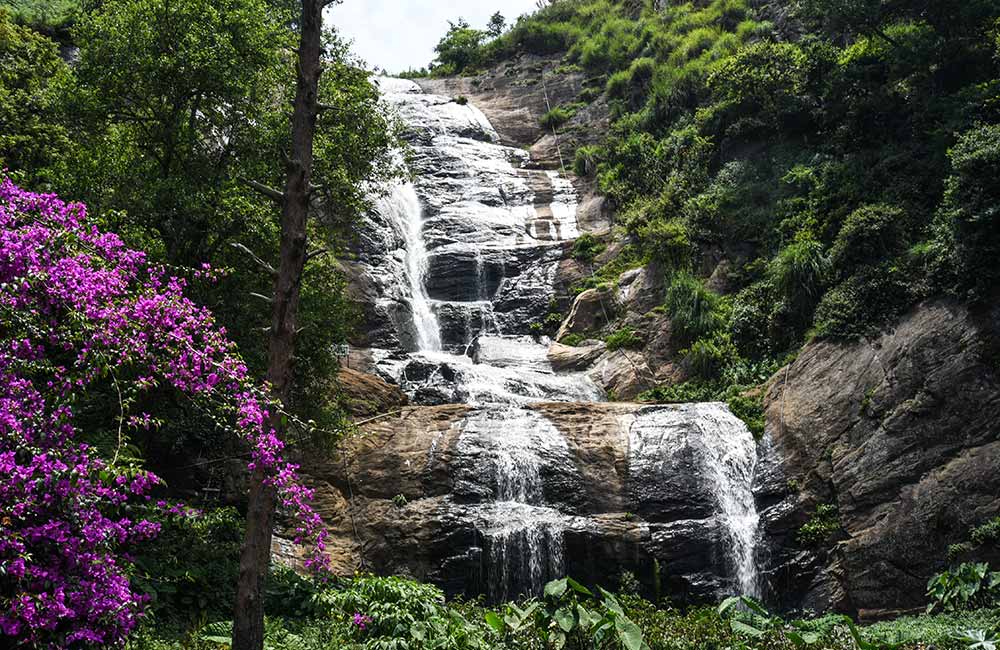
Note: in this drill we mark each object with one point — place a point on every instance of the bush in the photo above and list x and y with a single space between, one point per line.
586 248
870 233
190 569
667 242
623 338
862 304
750 409
823 523
798 274
559 115
459 49
585 160
967 586
694 310
971 208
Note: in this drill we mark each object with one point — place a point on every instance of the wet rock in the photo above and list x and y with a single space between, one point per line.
617 487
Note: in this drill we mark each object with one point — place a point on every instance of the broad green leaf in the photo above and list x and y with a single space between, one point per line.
494 621
742 628
726 605
564 617
629 633
577 587
556 588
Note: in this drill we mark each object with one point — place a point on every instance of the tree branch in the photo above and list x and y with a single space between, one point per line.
269 192
266 299
267 267
319 252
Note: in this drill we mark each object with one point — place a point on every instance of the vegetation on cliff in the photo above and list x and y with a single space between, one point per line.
842 157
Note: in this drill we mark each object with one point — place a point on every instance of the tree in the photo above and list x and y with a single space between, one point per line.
459 49
496 26
182 102
33 142
248 622
81 311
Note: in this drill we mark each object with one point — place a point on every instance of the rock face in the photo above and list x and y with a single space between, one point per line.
497 500
591 311
368 394
901 435
516 94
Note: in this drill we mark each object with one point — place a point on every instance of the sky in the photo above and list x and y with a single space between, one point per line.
398 35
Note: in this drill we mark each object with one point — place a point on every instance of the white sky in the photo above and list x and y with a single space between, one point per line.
401 34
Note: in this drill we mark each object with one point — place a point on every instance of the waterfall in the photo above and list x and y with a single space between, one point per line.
500 231
523 536
727 456
402 207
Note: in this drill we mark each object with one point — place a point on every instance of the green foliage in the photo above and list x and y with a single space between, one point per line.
623 338
967 586
693 309
871 232
573 340
750 409
50 17
458 50
798 274
971 208
823 523
33 142
190 568
987 534
862 303
586 247
559 115
667 242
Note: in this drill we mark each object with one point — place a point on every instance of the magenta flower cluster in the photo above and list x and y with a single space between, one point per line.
361 621
78 306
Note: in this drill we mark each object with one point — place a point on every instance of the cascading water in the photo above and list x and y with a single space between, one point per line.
728 458
523 536
483 238
403 207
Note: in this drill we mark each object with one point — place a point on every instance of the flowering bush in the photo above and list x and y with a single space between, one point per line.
78 309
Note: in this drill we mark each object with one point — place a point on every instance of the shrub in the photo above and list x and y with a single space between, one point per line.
751 320
967 586
459 49
558 116
798 274
623 338
585 160
667 242
586 248
706 357
190 569
870 233
971 208
860 305
823 523
694 310
750 409
573 340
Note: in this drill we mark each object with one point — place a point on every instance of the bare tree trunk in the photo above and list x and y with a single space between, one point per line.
255 557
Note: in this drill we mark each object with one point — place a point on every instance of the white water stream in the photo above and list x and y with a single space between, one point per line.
470 207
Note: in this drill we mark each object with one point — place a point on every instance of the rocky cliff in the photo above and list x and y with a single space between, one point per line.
901 435
498 500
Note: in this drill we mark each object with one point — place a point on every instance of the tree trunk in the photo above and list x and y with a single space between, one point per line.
255 557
